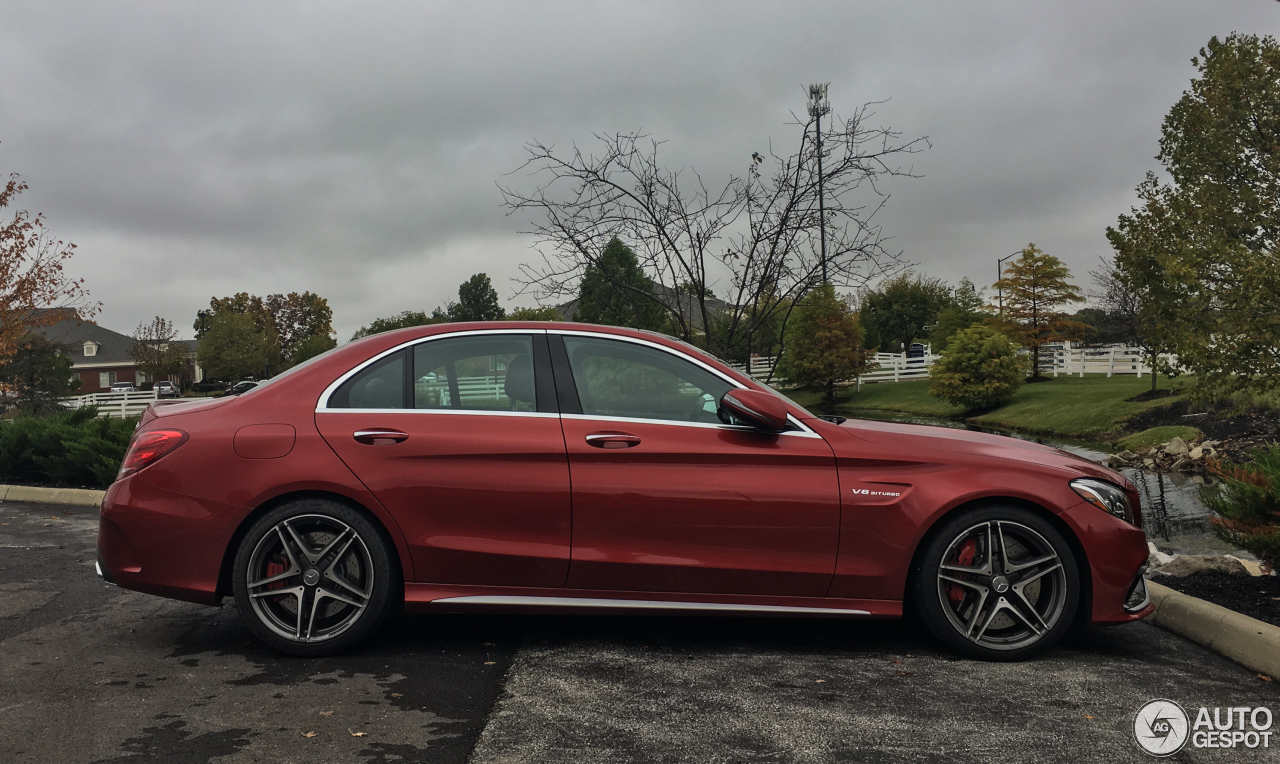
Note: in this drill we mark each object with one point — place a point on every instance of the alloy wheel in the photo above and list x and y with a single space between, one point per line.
1002 585
310 578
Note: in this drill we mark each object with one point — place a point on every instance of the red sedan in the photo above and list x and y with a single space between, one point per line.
567 467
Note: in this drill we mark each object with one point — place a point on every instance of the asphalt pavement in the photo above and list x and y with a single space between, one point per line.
92 673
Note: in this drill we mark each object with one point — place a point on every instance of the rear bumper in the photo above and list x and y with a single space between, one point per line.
160 542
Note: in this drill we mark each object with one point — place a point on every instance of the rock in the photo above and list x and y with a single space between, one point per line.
1254 568
1197 479
1115 461
1186 564
1209 444
1155 557
1127 455
1176 447
1181 464
1197 452
1148 463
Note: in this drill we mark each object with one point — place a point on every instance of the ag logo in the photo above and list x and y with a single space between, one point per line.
1161 727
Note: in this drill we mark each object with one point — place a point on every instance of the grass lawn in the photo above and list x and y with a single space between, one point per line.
1089 408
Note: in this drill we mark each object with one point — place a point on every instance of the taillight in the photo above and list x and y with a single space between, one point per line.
148 447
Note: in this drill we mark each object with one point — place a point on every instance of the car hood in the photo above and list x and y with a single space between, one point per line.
932 443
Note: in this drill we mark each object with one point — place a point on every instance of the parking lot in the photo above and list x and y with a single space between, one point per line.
91 673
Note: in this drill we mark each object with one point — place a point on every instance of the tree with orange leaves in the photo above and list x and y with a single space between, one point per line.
1034 288
33 279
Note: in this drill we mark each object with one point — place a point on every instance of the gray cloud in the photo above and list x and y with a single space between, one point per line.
353 149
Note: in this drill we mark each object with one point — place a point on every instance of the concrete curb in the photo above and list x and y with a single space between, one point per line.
1247 641
76 497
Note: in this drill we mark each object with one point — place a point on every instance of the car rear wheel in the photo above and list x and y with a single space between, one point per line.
999 583
314 577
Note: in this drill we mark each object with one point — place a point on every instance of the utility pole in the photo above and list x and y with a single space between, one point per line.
818 106
1000 277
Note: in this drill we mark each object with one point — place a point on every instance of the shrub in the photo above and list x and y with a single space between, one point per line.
824 343
1248 504
72 448
980 369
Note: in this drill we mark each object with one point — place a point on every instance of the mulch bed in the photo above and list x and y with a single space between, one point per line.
1254 596
1240 433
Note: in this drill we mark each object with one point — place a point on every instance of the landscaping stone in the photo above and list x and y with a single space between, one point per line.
1186 564
1176 447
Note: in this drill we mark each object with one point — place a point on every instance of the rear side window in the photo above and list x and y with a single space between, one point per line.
381 386
477 373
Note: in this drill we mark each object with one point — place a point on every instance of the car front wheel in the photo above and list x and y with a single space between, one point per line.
314 577
999 583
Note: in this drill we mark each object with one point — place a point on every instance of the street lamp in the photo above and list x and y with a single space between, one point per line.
818 106
1000 277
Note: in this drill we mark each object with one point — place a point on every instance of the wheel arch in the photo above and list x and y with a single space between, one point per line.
224 587
1084 608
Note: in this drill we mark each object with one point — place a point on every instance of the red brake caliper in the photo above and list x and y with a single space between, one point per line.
275 568
968 551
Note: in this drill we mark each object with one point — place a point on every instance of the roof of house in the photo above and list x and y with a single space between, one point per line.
666 296
112 347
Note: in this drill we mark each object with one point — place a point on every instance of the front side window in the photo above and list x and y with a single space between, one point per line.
477 373
623 379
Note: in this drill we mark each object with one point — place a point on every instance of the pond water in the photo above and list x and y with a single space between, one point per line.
1173 515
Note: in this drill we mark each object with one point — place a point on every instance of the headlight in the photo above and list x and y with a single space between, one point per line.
1108 497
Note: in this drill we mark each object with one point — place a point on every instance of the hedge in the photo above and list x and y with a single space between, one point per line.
71 448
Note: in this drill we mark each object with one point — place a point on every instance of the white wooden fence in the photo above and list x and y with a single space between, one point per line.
118 405
1058 359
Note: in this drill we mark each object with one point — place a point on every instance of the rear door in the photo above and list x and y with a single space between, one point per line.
459 438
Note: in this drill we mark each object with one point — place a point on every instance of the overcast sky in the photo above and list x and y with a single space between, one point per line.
353 149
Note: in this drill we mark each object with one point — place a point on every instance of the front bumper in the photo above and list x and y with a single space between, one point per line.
1117 554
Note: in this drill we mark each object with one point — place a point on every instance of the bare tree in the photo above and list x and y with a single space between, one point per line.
754 239
156 349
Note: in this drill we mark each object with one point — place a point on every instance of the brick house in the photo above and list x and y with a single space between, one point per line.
100 357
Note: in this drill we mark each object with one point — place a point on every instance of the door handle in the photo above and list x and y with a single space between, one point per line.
612 440
379 437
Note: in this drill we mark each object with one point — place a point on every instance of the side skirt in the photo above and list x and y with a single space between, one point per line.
438 597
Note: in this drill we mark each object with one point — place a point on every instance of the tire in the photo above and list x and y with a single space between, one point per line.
333 569
1009 607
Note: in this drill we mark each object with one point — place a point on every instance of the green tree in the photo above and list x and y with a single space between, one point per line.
297 318
1201 251
540 313
233 348
38 374
824 343
980 369
617 292
477 301
401 321
1035 287
901 310
313 346
966 309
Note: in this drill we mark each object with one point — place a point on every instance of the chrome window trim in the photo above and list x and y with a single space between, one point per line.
323 403
803 432
510 600
463 412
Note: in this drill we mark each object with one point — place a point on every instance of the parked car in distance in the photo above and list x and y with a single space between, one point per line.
166 389
553 467
242 386
123 387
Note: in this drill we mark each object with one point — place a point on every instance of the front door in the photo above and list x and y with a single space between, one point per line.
667 498
459 439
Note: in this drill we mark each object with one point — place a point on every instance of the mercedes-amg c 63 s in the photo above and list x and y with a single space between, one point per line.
545 466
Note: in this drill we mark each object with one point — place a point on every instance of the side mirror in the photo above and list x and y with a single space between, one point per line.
760 410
